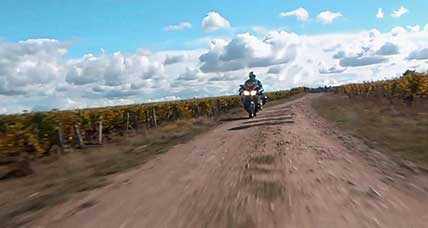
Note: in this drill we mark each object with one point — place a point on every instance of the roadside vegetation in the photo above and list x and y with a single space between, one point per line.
388 125
38 134
407 88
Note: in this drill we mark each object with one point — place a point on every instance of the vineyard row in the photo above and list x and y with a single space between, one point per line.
34 134
409 86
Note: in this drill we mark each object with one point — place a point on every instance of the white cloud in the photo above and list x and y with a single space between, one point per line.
246 50
398 31
374 33
380 14
173 59
327 17
167 98
339 55
419 54
388 49
190 74
275 69
414 28
214 21
113 70
178 27
32 65
301 14
399 12
224 77
331 70
426 28
361 61
260 30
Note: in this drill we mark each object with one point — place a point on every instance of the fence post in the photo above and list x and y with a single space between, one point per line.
148 121
100 132
136 120
155 122
218 108
198 110
127 121
60 138
78 136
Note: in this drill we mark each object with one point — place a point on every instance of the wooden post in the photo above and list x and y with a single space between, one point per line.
78 136
171 113
198 108
123 121
100 132
148 122
210 112
213 113
217 108
136 121
155 123
61 139
127 121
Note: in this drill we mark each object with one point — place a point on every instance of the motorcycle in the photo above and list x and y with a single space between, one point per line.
251 99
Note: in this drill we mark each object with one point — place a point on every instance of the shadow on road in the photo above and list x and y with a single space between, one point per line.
233 119
268 118
260 124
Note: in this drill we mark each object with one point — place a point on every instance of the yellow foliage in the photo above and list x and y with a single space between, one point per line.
411 84
34 133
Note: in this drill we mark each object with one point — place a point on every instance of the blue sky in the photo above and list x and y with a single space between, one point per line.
127 25
74 54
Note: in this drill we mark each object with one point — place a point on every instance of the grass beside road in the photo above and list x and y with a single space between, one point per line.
390 127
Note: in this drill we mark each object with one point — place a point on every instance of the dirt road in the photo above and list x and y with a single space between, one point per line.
285 168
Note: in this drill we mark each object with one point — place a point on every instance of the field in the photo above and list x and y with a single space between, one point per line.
392 127
408 87
389 115
32 135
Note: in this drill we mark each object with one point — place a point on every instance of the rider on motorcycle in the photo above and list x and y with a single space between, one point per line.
252 96
252 79
253 82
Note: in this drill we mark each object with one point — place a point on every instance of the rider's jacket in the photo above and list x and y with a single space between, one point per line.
257 82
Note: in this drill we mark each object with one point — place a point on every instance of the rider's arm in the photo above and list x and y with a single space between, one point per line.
260 85
241 88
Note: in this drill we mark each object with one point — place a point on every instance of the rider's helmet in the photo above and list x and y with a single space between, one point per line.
252 76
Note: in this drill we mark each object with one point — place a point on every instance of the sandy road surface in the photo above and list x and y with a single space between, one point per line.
286 168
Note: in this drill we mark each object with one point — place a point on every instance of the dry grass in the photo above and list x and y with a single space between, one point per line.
388 126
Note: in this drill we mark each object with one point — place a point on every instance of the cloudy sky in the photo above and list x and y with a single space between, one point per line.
75 53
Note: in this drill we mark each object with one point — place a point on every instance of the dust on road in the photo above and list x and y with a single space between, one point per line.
285 168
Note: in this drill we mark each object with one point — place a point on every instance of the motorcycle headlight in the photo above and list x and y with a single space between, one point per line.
246 92
253 92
